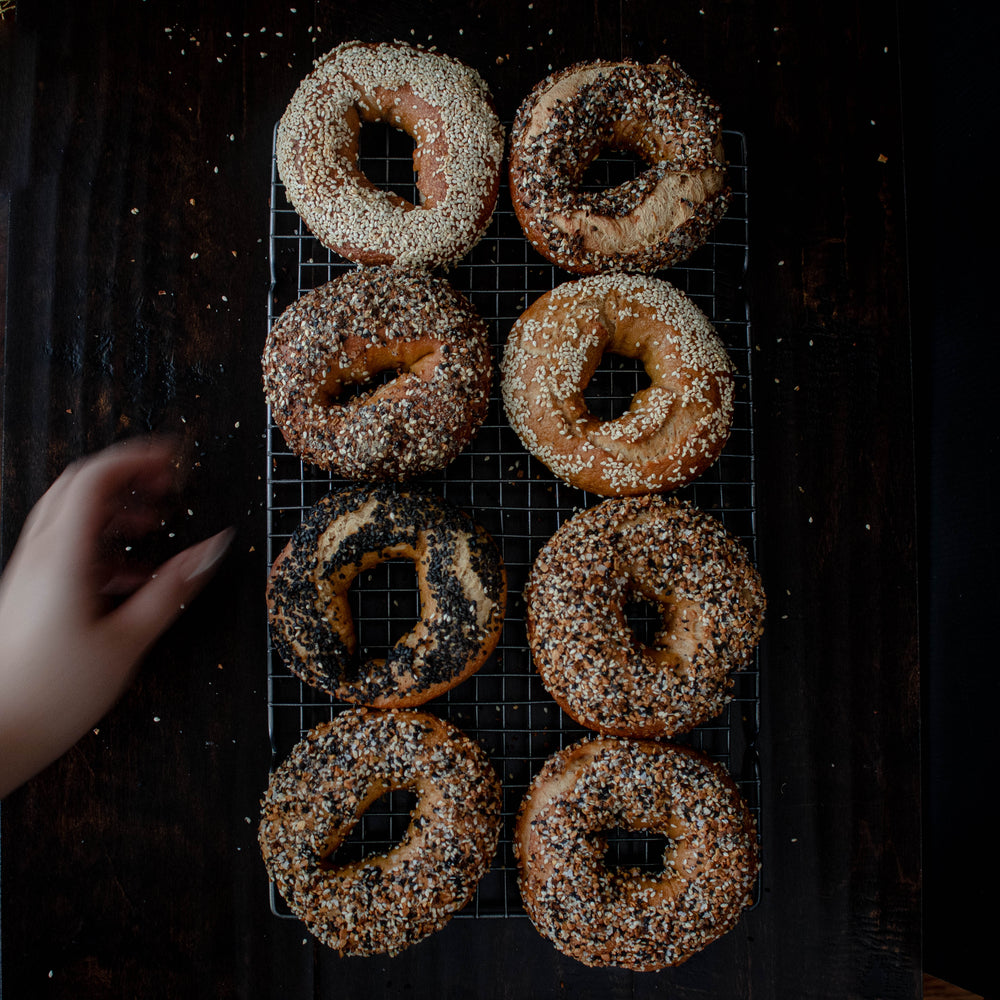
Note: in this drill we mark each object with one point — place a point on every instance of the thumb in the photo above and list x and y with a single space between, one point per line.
138 622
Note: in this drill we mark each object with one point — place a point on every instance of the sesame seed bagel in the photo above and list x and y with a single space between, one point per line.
684 564
460 578
672 431
389 901
654 111
442 104
348 332
629 917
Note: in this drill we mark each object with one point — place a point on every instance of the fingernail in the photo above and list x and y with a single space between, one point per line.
214 549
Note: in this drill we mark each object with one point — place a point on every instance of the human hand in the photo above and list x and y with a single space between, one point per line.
75 620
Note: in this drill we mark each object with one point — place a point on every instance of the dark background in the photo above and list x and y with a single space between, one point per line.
130 867
953 269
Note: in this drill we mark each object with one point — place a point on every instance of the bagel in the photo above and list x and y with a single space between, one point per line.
634 918
686 565
348 332
654 111
385 902
442 104
672 431
461 581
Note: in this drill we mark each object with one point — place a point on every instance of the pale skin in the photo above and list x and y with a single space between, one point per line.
75 621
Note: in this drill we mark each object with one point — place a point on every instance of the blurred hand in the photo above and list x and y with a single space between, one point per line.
74 620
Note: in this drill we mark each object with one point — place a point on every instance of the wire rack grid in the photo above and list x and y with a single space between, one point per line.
504 706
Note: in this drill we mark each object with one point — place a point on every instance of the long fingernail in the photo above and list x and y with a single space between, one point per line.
215 549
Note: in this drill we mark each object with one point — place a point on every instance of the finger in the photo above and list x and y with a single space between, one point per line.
77 510
122 582
51 500
143 617
134 520
143 468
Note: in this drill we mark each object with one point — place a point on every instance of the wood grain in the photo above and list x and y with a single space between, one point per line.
938 989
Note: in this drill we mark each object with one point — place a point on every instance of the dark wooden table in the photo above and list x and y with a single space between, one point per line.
134 252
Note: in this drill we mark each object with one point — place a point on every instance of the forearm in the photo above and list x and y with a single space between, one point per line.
48 700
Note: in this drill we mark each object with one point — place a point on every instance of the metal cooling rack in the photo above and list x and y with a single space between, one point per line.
504 706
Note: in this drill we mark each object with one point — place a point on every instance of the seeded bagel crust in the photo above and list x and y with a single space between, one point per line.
348 331
659 218
442 104
460 576
672 431
629 917
389 901
678 559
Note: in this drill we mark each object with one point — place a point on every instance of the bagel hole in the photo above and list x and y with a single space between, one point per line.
381 828
385 603
385 157
644 619
611 389
610 168
642 849
358 390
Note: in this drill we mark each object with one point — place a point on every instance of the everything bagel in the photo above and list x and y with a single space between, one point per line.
655 111
389 901
345 334
636 919
681 561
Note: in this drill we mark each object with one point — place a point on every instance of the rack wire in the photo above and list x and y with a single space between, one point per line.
505 706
